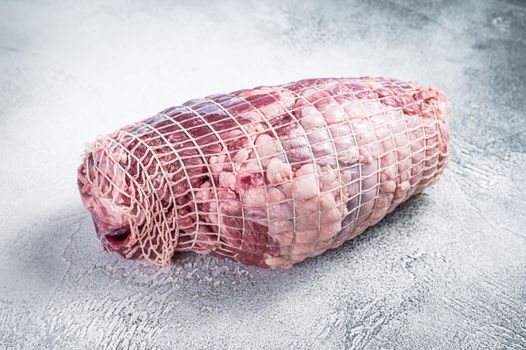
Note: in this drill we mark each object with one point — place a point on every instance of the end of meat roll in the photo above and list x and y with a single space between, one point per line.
113 189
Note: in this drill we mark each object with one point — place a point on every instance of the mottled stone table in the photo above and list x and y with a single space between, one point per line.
446 270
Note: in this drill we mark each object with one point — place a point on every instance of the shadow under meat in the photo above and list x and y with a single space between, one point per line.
63 256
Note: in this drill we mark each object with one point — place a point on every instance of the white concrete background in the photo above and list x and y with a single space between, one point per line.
446 270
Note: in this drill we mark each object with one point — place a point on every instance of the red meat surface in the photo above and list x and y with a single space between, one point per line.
267 176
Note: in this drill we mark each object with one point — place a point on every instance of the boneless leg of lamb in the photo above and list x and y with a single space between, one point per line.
268 176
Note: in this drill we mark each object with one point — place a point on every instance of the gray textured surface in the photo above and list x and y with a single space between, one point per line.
446 270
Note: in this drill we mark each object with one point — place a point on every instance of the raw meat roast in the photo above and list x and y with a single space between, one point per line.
268 176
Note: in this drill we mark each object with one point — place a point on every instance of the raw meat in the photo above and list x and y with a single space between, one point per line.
268 176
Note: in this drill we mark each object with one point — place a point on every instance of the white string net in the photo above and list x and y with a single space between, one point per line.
268 176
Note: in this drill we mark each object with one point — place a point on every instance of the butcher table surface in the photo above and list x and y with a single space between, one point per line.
446 270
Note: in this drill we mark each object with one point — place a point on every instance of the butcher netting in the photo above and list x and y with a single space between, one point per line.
267 176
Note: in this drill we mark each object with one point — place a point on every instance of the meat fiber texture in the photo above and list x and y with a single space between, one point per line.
267 176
